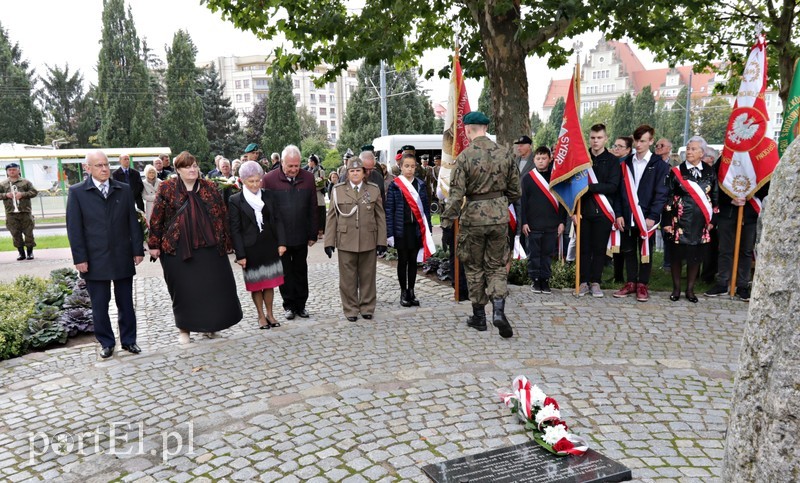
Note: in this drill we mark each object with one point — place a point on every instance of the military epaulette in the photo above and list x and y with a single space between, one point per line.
340 183
371 183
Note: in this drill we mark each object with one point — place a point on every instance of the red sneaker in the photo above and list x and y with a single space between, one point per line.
628 289
641 293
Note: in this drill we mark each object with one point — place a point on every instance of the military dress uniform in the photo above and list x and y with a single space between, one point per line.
356 225
487 176
20 224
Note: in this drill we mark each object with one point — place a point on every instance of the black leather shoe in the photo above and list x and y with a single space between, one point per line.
367 316
478 319
412 298
106 352
352 318
133 348
21 257
303 313
289 314
691 297
404 301
675 296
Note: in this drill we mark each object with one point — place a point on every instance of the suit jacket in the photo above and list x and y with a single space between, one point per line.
652 190
527 167
135 182
103 231
244 227
365 228
297 202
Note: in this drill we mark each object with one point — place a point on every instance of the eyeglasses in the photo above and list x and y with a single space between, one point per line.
662 145
619 146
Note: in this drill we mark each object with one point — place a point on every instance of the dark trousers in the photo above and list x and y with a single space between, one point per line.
541 246
631 247
710 267
295 278
407 267
726 229
100 295
667 248
594 240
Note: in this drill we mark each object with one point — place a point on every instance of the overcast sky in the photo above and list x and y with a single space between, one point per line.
57 32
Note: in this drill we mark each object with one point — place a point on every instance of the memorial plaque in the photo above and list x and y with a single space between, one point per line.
530 463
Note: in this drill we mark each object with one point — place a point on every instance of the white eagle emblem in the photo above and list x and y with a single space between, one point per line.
744 128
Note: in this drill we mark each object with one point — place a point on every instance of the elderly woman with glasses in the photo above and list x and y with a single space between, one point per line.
189 233
259 241
622 147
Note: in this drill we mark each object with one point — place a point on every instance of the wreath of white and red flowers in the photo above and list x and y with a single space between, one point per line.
542 417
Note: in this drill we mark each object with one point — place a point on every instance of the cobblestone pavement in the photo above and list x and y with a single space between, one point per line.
323 399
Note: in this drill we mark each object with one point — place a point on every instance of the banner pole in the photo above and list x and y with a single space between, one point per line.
456 264
736 247
578 248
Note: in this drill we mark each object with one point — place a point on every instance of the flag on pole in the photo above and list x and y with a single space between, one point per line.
571 159
749 156
455 138
791 113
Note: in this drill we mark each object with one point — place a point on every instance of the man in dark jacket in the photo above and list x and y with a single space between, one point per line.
106 242
643 179
295 196
131 177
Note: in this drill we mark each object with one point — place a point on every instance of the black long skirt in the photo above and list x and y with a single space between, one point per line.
203 290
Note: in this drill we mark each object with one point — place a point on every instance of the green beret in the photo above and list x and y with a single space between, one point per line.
251 147
368 147
476 117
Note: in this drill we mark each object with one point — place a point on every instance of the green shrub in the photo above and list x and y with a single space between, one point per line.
17 302
563 274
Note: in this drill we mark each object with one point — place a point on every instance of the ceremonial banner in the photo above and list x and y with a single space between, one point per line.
749 156
569 179
455 138
791 112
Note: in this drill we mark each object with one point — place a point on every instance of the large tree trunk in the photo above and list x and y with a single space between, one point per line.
763 442
504 57
783 44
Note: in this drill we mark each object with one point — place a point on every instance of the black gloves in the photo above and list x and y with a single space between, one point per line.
329 251
381 249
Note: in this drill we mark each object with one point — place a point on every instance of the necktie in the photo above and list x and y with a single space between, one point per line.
356 188
104 189
127 179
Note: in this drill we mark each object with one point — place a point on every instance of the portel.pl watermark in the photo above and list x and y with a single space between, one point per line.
119 438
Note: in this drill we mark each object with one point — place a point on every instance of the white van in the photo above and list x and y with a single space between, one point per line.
386 146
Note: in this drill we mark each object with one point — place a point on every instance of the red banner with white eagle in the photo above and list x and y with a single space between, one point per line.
749 156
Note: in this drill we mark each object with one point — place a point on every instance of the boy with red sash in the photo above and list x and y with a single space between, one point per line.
542 218
643 194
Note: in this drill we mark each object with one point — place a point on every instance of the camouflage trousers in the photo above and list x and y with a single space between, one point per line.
484 252
21 225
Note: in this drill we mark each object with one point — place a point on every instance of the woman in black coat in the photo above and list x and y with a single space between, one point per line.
689 215
258 240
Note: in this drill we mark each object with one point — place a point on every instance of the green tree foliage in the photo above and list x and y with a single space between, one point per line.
546 136
601 114
310 127
485 105
536 123
713 119
644 107
89 121
20 119
670 122
219 118
408 109
255 121
183 122
333 159
63 96
158 87
309 146
622 121
496 38
282 126
123 86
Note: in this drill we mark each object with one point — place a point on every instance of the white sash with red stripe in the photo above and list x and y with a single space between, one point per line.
544 186
756 204
415 204
519 252
638 214
608 210
696 192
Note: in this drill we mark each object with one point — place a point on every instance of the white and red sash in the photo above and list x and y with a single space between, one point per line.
415 204
544 186
756 204
696 192
638 214
519 252
608 210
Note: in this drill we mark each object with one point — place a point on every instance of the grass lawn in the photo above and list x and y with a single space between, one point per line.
42 242
660 279
47 219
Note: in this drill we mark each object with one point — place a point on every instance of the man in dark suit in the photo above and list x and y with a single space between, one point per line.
131 177
643 180
106 242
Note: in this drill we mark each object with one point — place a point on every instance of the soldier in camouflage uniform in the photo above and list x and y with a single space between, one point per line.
19 221
487 175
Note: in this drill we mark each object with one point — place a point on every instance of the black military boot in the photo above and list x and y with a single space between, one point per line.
30 253
21 253
478 319
413 298
499 318
404 299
